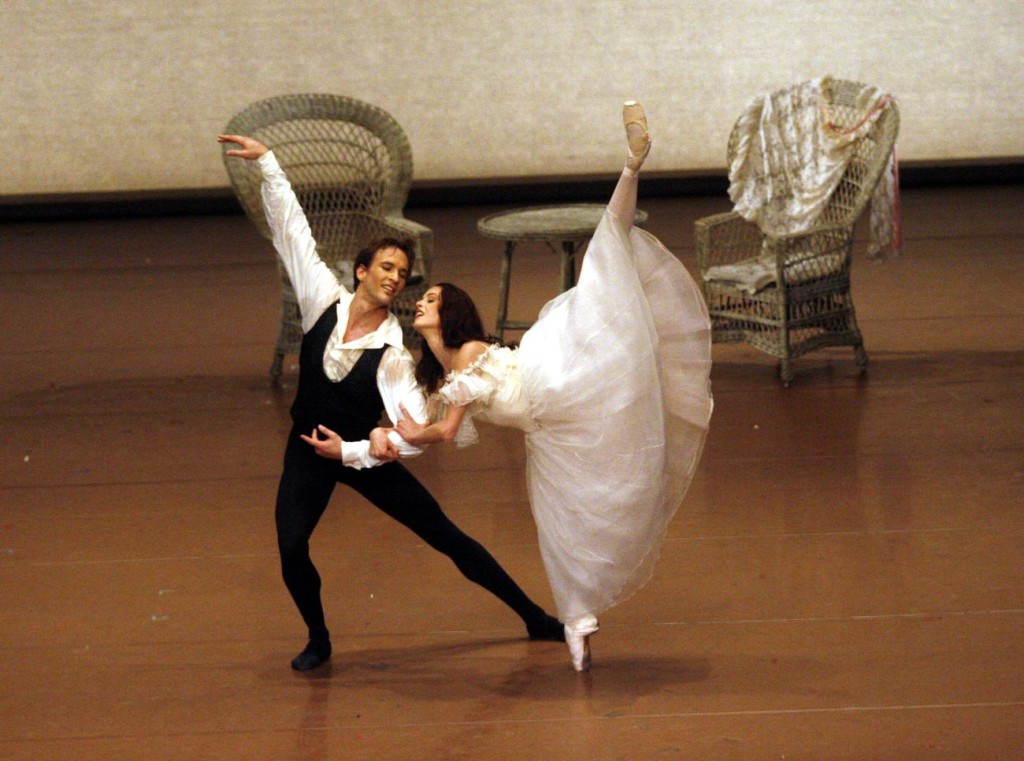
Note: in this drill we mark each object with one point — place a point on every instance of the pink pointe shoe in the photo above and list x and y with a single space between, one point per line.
635 121
577 637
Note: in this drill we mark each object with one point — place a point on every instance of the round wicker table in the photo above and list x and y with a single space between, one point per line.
569 225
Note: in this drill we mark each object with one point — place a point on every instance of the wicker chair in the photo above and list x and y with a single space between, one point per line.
809 304
350 165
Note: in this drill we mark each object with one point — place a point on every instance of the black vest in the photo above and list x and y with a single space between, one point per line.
351 407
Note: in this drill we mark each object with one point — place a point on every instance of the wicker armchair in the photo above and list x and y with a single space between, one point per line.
808 302
350 165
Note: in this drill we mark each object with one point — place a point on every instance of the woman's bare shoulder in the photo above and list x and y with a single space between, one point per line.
469 353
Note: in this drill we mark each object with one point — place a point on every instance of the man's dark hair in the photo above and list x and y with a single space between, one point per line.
365 257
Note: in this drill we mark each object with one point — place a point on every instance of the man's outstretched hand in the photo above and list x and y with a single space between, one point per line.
329 446
251 149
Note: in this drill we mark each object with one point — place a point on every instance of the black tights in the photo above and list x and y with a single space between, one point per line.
306 486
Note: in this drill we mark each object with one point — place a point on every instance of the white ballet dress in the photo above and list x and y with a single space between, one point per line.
611 387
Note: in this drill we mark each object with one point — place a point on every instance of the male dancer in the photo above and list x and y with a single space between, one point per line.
353 366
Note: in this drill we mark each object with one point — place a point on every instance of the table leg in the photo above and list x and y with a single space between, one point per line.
568 265
506 274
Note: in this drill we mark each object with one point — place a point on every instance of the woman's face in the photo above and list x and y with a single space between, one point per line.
428 310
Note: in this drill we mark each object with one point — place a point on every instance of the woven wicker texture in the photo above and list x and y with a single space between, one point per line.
350 164
810 304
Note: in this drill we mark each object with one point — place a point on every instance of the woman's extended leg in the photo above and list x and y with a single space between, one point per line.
623 200
623 206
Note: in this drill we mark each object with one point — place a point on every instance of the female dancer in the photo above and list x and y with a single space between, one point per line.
611 387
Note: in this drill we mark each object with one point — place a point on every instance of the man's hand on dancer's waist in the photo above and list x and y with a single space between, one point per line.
381 446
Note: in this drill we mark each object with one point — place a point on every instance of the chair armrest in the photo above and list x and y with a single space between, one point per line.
820 253
726 239
424 238
415 229
341 235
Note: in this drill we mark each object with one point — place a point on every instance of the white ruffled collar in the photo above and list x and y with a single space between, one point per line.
484 357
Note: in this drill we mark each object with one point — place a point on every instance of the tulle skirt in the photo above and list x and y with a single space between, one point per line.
616 371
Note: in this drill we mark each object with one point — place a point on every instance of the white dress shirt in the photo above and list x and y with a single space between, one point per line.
316 288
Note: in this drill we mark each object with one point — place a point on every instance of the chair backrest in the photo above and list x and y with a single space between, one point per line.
869 159
345 159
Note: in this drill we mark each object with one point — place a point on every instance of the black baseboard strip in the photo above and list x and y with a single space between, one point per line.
483 192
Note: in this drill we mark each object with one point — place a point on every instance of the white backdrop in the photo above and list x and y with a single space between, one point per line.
117 96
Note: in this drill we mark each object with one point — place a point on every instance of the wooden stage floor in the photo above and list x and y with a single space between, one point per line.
844 580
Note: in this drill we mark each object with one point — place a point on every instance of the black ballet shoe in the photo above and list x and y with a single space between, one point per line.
548 629
317 652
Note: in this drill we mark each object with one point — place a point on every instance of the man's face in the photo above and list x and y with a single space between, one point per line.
385 278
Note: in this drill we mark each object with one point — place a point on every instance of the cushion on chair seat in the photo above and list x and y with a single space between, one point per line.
749 275
753 275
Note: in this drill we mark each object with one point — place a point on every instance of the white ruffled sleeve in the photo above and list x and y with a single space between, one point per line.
464 388
477 383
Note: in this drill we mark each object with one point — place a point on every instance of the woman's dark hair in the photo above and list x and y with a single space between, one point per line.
365 257
460 323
